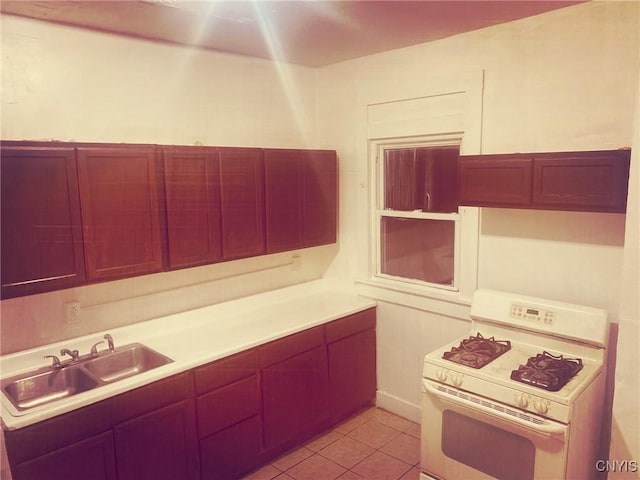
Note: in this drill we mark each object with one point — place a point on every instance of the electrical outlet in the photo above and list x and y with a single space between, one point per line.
73 312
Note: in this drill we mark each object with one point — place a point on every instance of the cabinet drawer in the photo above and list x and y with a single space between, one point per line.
290 346
225 371
226 406
350 325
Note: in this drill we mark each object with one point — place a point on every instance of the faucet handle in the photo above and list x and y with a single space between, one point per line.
55 361
94 349
109 340
74 354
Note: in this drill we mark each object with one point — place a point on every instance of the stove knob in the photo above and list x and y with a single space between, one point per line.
522 401
540 406
457 380
442 375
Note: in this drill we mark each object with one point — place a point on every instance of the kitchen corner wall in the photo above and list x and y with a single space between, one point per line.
564 80
63 83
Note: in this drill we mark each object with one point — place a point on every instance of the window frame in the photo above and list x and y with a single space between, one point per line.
377 148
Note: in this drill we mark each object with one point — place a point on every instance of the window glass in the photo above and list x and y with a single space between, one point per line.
418 249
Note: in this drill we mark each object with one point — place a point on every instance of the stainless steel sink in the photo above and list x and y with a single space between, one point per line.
46 385
125 362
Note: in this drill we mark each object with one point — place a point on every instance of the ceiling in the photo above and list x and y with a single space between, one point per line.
312 33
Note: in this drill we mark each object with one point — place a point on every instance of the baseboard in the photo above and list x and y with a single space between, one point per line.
398 406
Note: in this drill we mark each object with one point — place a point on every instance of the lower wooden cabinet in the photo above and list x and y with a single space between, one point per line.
159 445
93 458
216 422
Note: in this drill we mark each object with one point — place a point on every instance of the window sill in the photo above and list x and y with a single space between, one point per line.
443 302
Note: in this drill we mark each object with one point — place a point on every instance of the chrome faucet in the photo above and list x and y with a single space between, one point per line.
94 349
56 361
74 354
109 340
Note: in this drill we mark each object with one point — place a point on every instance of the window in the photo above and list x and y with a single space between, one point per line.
416 214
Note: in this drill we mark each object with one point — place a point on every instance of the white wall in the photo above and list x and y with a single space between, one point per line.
564 80
68 84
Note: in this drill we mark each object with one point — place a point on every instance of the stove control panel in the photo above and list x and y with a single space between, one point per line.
523 312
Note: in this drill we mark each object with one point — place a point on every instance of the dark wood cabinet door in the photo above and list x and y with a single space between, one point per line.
352 370
242 202
42 247
283 180
231 452
159 445
319 198
495 180
295 395
120 211
91 458
592 181
193 206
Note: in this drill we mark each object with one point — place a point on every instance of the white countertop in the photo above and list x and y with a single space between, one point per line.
191 339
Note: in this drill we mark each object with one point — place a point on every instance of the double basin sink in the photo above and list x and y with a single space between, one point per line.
48 384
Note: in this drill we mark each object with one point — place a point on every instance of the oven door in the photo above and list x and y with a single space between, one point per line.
470 437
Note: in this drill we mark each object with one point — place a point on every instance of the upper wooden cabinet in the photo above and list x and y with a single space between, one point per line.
242 202
42 247
120 211
584 181
300 198
192 189
319 198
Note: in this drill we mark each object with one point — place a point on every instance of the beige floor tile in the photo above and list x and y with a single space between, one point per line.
316 468
374 434
413 430
381 466
323 441
265 473
404 447
292 458
350 476
354 422
413 474
347 452
391 420
283 476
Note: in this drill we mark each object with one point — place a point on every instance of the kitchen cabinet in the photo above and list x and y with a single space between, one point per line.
42 248
300 197
120 211
319 198
594 181
91 458
283 199
351 351
192 187
229 421
158 445
295 388
242 202
132 434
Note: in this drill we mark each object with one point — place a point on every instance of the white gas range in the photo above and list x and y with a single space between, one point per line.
520 397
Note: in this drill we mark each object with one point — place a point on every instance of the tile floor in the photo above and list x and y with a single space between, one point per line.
372 445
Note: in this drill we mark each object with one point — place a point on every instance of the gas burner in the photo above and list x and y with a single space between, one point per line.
476 351
547 371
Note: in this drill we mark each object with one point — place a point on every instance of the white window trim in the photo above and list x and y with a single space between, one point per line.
452 300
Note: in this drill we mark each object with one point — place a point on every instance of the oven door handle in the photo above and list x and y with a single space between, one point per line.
545 428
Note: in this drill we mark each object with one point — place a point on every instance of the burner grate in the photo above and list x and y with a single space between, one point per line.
547 371
477 351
